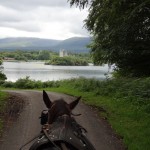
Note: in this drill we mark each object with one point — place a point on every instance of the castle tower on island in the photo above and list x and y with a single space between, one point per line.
63 53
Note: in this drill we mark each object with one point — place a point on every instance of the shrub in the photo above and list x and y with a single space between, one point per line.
131 90
67 61
24 83
48 84
2 76
8 84
37 84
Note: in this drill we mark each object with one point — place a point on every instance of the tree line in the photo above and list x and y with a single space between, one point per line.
27 55
44 55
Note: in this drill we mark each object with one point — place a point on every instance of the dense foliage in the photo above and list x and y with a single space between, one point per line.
27 55
121 30
27 83
51 57
44 55
67 61
2 75
133 90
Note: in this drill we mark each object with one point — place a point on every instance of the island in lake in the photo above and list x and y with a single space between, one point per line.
67 61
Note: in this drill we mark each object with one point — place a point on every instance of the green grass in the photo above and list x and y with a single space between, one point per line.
3 101
126 101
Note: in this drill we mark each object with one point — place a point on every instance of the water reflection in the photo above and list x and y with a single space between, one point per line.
39 71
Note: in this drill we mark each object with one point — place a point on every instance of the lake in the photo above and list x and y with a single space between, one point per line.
39 71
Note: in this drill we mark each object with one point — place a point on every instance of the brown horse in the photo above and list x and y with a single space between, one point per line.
60 131
58 107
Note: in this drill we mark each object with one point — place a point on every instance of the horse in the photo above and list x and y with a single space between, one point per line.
60 130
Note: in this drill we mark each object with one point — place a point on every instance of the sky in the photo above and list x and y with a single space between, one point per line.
51 19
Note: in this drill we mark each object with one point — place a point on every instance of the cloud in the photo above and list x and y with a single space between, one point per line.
32 4
21 21
41 18
24 26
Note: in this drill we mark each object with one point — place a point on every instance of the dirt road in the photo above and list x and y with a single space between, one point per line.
28 125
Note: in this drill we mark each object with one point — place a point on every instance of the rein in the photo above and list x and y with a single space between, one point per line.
46 134
45 131
30 141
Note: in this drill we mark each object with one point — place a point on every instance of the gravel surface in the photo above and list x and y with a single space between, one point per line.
27 125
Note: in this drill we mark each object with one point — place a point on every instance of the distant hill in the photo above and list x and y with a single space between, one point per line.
75 44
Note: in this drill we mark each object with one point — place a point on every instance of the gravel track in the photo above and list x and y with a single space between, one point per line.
27 124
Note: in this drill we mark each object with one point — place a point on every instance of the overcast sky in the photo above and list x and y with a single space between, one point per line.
53 19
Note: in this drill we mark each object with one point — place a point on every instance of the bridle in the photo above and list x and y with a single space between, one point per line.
51 112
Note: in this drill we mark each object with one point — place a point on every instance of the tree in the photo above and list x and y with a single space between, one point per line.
44 55
0 62
121 34
2 75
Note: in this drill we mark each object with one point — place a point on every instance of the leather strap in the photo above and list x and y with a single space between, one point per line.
46 134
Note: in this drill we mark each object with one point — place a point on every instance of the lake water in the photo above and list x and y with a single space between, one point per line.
39 71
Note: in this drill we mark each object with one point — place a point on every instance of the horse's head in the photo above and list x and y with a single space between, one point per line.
58 107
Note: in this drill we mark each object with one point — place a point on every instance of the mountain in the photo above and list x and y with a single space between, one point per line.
26 43
75 44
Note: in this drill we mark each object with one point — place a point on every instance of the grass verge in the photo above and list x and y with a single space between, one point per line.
3 101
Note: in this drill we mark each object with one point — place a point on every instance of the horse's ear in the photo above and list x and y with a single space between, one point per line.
73 104
46 100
